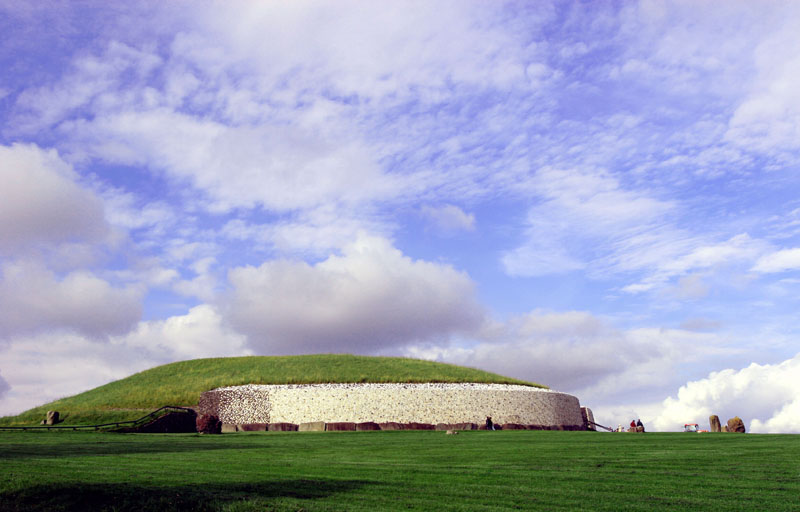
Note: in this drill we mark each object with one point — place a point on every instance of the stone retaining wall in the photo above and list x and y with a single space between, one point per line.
401 403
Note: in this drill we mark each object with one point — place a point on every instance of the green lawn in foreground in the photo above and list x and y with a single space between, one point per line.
182 383
402 470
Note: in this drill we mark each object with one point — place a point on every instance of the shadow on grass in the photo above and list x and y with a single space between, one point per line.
188 497
89 448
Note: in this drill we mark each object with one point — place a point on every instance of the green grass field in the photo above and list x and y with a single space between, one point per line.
182 383
404 470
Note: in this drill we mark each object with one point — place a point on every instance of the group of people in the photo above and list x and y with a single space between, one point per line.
634 425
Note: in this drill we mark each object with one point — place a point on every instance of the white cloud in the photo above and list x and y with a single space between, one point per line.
566 351
288 122
687 258
315 232
51 229
769 117
779 261
45 367
279 166
36 300
540 257
199 333
91 80
370 297
700 324
577 352
50 366
449 218
580 221
203 285
692 287
351 40
766 397
42 202
4 387
126 211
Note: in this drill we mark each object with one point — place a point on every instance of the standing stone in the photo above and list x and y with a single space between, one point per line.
588 419
253 427
282 427
340 426
367 425
52 418
713 422
724 428
736 424
390 425
312 426
208 424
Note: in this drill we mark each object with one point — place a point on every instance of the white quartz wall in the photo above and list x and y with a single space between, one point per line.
401 403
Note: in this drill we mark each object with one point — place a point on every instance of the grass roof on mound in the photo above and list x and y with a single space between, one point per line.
182 383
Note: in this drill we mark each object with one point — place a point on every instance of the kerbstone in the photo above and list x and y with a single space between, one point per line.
312 426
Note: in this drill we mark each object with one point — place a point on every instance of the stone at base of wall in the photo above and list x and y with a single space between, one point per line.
367 425
282 427
253 427
312 426
456 426
390 425
420 426
321 426
340 426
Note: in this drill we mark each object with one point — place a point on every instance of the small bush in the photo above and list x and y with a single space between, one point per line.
209 424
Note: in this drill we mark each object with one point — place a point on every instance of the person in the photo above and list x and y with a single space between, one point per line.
639 424
633 423
489 424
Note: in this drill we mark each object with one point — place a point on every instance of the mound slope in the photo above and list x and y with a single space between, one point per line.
183 382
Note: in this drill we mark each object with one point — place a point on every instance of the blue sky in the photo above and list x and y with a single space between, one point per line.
602 197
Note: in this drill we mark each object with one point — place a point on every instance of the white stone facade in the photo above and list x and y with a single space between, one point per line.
401 403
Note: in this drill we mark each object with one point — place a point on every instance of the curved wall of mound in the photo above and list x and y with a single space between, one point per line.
402 403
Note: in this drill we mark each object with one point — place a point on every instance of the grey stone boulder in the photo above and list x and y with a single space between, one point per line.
52 418
208 424
736 424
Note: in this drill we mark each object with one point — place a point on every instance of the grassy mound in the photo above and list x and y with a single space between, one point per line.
182 383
